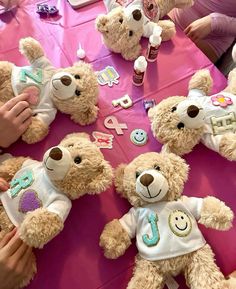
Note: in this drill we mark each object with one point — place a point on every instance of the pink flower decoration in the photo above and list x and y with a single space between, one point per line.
221 100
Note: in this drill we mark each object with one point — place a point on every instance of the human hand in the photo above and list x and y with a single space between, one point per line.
15 117
16 260
199 29
3 185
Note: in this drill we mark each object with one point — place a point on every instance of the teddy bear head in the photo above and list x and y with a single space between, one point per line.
177 122
77 167
151 177
75 89
122 29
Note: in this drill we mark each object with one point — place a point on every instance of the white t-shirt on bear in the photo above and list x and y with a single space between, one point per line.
220 115
38 74
32 189
166 229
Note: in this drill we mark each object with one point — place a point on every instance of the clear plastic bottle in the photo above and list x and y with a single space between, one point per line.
154 44
140 66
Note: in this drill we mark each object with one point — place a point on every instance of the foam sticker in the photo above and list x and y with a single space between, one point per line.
103 140
108 76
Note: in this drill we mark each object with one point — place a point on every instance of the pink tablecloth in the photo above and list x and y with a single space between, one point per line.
74 259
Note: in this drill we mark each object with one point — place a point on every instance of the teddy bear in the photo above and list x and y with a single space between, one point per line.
127 21
72 90
234 53
181 122
164 223
39 198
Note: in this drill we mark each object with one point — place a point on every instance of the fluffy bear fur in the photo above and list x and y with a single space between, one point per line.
181 129
124 25
198 267
75 167
72 90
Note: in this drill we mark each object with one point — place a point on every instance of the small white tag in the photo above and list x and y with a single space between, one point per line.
171 283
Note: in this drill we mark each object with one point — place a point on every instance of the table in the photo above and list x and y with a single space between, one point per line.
74 259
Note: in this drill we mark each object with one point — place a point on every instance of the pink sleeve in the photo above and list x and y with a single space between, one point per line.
223 24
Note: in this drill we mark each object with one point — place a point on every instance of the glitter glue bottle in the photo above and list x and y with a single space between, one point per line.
140 66
154 44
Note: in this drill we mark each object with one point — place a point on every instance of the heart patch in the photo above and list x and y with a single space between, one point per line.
33 92
29 201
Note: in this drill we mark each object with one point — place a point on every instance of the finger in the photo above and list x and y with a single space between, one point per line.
19 253
4 185
24 115
24 260
12 246
12 102
29 268
23 127
187 30
18 109
7 238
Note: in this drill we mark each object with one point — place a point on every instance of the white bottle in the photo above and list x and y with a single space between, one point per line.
140 66
154 44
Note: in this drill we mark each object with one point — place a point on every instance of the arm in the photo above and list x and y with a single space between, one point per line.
215 214
223 24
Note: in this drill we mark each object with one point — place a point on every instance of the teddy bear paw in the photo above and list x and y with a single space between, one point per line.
31 48
35 132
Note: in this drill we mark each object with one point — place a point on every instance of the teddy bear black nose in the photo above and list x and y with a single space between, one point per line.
66 80
137 15
55 154
146 179
192 111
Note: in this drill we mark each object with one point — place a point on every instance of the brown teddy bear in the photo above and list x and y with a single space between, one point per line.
180 123
127 21
40 194
165 225
72 90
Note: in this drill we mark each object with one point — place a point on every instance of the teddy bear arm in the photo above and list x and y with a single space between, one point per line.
231 88
227 147
114 240
31 49
39 227
9 167
201 80
168 29
36 131
215 214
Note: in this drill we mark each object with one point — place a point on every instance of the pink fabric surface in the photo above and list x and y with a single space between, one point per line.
73 259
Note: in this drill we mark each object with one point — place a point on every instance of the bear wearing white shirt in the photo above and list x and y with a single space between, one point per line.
72 90
164 224
180 123
39 198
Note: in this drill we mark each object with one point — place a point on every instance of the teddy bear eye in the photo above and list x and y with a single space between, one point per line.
121 20
130 33
156 167
77 160
180 125
173 109
77 76
77 92
137 174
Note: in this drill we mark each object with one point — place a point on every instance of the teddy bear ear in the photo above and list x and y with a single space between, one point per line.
119 176
101 22
78 135
103 180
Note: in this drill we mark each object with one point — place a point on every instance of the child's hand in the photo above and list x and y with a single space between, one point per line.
199 29
3 185
15 117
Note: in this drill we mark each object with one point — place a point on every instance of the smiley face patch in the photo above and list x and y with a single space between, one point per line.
139 137
180 223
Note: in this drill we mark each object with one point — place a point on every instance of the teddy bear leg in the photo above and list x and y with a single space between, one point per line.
231 88
168 29
227 147
202 272
146 275
131 53
85 118
35 132
31 49
6 92
201 80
